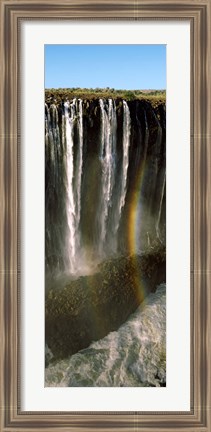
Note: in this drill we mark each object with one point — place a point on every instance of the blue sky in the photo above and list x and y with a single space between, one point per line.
116 66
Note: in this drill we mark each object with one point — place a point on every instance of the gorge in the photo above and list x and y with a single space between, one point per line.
105 215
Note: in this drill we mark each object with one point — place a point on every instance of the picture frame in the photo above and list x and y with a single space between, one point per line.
13 14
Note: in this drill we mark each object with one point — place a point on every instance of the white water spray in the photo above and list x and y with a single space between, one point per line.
107 157
120 198
70 203
78 173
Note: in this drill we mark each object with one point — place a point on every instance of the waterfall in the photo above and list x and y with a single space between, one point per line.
52 137
79 172
107 157
70 202
74 131
122 189
94 153
125 160
109 200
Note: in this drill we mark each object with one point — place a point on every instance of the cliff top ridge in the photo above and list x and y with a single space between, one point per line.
155 97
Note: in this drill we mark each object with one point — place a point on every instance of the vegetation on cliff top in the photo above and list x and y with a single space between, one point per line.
155 97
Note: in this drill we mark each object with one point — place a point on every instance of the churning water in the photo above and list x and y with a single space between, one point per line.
133 356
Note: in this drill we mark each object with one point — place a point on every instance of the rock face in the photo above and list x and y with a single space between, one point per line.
88 308
145 182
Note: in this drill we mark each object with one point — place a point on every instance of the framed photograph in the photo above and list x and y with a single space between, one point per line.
105 185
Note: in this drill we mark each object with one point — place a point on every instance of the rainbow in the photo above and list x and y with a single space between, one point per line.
133 231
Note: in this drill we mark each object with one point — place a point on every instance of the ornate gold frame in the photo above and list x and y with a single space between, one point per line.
197 12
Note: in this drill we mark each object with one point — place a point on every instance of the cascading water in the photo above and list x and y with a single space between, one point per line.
52 137
74 175
107 157
70 204
107 240
100 134
120 197
108 227
78 174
